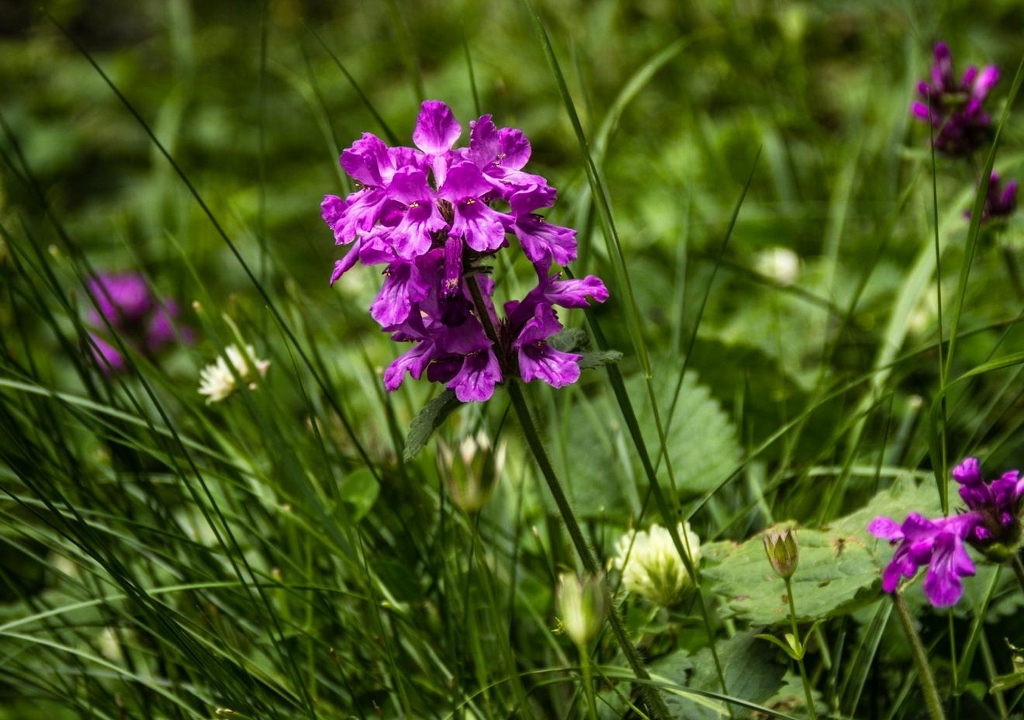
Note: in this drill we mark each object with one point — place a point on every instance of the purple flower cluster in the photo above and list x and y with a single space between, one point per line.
134 312
990 524
954 108
432 214
1000 202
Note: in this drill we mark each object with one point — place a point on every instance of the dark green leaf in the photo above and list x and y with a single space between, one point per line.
572 340
430 418
597 358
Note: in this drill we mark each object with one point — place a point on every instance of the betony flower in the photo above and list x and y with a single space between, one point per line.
990 524
1000 202
954 108
937 544
143 322
996 504
434 215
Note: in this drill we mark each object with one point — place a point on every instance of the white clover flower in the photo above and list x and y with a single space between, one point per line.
216 380
778 263
652 568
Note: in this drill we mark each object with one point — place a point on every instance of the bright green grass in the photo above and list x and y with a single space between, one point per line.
276 555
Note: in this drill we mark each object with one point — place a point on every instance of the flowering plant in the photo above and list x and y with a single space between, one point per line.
955 109
126 302
433 214
991 524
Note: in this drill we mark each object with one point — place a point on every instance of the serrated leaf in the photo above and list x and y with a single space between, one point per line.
840 565
701 440
602 472
833 571
572 340
597 358
430 419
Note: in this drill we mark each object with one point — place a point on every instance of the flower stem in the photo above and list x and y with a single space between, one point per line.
588 684
808 694
654 699
1018 570
924 672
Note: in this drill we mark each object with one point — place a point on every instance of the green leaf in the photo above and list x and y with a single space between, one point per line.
786 647
571 340
750 674
430 419
601 477
840 565
701 440
833 571
360 490
597 358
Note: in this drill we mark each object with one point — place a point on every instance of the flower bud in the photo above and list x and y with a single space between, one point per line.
471 470
581 606
782 551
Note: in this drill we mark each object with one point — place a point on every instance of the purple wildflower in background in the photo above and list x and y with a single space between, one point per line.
954 108
1000 202
433 215
142 321
990 524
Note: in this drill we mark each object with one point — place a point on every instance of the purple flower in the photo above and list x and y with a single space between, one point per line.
990 524
954 108
1000 202
126 303
434 214
937 544
996 503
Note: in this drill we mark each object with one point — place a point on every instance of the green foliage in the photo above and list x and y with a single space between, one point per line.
293 552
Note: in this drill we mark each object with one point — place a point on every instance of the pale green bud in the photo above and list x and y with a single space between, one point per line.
783 552
471 470
581 606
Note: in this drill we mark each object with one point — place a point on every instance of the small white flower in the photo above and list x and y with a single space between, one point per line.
216 380
652 568
778 263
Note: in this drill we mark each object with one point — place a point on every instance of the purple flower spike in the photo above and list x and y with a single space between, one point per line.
435 215
126 303
954 108
997 503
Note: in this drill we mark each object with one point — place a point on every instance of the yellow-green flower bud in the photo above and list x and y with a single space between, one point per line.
783 552
581 606
471 470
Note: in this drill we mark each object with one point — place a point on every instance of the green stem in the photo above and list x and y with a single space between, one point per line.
654 699
590 564
1018 570
808 695
924 672
588 684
